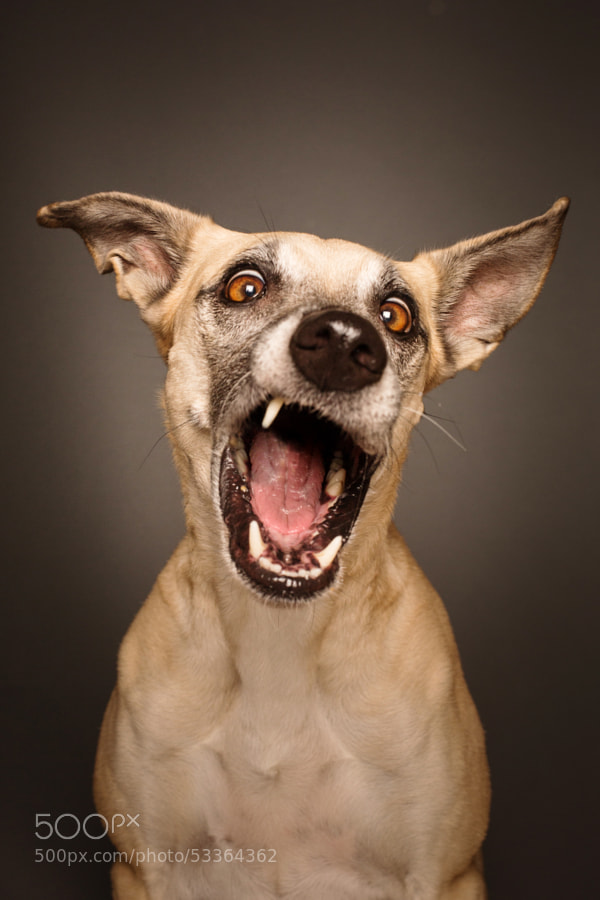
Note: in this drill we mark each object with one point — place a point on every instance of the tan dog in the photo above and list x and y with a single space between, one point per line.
290 718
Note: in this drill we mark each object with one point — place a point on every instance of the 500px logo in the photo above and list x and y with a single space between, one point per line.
68 826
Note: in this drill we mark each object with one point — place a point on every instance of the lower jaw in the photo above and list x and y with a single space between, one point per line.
294 576
288 586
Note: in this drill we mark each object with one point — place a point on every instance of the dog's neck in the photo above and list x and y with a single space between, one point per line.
265 640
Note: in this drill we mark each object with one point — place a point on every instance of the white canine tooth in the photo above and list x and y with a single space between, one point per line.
314 573
327 556
272 411
255 541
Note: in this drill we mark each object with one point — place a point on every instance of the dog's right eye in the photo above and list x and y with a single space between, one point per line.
246 285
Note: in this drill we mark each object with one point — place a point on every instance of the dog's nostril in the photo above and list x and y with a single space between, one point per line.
364 356
338 350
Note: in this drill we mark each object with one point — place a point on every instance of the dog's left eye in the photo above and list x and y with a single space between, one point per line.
396 315
246 285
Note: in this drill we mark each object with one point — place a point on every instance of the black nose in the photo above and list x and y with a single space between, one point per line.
338 350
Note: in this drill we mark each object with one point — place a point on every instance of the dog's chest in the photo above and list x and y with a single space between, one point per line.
285 785
276 778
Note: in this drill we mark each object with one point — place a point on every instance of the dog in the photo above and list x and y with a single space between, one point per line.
291 719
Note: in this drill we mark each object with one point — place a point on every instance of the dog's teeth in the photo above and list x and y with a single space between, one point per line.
240 456
272 411
336 476
256 544
241 461
327 556
336 480
314 573
265 563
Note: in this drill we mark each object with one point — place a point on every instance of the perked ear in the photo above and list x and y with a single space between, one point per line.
486 285
143 241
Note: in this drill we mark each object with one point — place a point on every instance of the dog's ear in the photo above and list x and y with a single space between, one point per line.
143 241
485 285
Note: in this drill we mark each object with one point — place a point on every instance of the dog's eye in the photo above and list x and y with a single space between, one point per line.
396 315
246 285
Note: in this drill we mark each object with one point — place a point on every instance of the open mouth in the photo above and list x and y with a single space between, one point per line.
292 484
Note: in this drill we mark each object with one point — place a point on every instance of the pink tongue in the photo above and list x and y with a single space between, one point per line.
287 479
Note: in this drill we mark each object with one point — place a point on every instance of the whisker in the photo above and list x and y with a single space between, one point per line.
440 418
164 435
235 388
270 224
441 428
430 449
417 430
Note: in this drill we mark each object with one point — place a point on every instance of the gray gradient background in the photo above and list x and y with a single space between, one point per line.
398 125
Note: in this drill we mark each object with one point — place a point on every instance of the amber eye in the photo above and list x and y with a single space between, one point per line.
396 315
246 285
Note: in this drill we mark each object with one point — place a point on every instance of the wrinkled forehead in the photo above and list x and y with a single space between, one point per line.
296 259
330 264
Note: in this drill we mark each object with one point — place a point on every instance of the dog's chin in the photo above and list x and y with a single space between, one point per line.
290 495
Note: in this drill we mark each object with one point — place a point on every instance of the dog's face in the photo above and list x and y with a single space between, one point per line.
297 365
315 353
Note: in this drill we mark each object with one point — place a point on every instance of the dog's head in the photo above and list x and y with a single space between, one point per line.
296 366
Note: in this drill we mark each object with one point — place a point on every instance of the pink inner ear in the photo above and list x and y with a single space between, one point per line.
487 305
149 256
